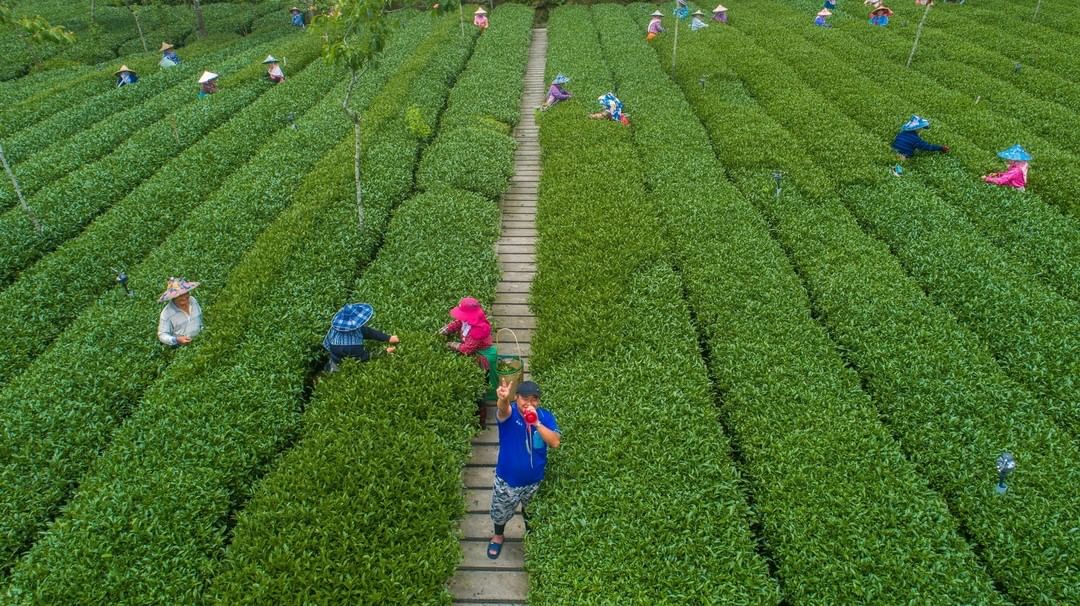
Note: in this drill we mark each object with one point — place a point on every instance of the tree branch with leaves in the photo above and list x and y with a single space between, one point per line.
354 33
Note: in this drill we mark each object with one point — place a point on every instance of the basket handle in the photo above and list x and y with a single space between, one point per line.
513 334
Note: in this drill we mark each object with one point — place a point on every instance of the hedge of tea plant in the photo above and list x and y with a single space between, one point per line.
48 295
828 481
88 85
1033 332
474 150
642 503
48 163
1058 181
68 204
364 509
231 425
943 396
424 393
110 355
1042 239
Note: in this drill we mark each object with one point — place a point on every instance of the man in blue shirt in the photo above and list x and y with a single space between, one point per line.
526 431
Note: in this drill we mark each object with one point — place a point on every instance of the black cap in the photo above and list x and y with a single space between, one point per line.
528 388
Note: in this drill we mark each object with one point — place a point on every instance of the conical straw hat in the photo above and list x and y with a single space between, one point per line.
165 46
124 68
206 77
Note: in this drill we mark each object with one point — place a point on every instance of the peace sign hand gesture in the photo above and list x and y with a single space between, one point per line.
503 391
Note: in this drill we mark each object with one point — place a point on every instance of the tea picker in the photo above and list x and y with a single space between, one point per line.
207 84
720 13
273 71
471 324
655 28
348 332
696 23
556 92
820 19
480 18
125 76
1016 173
181 319
612 109
168 55
907 142
297 17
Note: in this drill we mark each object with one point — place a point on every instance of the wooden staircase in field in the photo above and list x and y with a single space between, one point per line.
479 580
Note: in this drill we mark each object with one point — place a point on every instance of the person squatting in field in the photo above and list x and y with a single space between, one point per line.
273 71
655 27
908 141
125 76
1015 175
349 330
556 92
480 18
526 431
612 109
168 55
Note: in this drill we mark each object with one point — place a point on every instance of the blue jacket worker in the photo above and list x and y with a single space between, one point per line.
297 17
125 76
348 330
908 141
526 431
168 55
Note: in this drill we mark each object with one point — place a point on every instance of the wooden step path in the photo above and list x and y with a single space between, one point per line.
479 580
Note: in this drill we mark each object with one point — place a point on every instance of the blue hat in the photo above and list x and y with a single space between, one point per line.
352 317
916 122
528 388
1015 153
560 79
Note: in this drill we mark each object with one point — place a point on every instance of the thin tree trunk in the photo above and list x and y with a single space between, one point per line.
355 118
200 23
138 25
93 5
18 192
675 47
918 34
1037 6
461 19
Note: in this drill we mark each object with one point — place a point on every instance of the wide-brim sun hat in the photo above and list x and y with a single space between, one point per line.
560 79
656 14
916 123
1015 153
698 13
468 310
824 12
176 287
123 68
295 10
480 11
270 59
165 46
352 317
719 8
883 10
206 77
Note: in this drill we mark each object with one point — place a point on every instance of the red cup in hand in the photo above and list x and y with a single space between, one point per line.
530 416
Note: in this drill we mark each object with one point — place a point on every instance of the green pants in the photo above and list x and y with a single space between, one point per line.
491 356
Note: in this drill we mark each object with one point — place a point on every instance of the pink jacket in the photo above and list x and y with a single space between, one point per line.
1014 176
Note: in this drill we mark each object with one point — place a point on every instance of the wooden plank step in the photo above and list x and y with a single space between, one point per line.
484 454
478 500
510 349
518 232
517 266
487 585
523 335
520 298
509 243
516 322
488 435
477 526
513 287
479 477
474 556
525 254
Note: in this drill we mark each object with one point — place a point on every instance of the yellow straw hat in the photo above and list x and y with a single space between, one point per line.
124 68
165 46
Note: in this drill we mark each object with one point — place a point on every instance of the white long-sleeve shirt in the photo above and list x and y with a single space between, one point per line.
175 323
